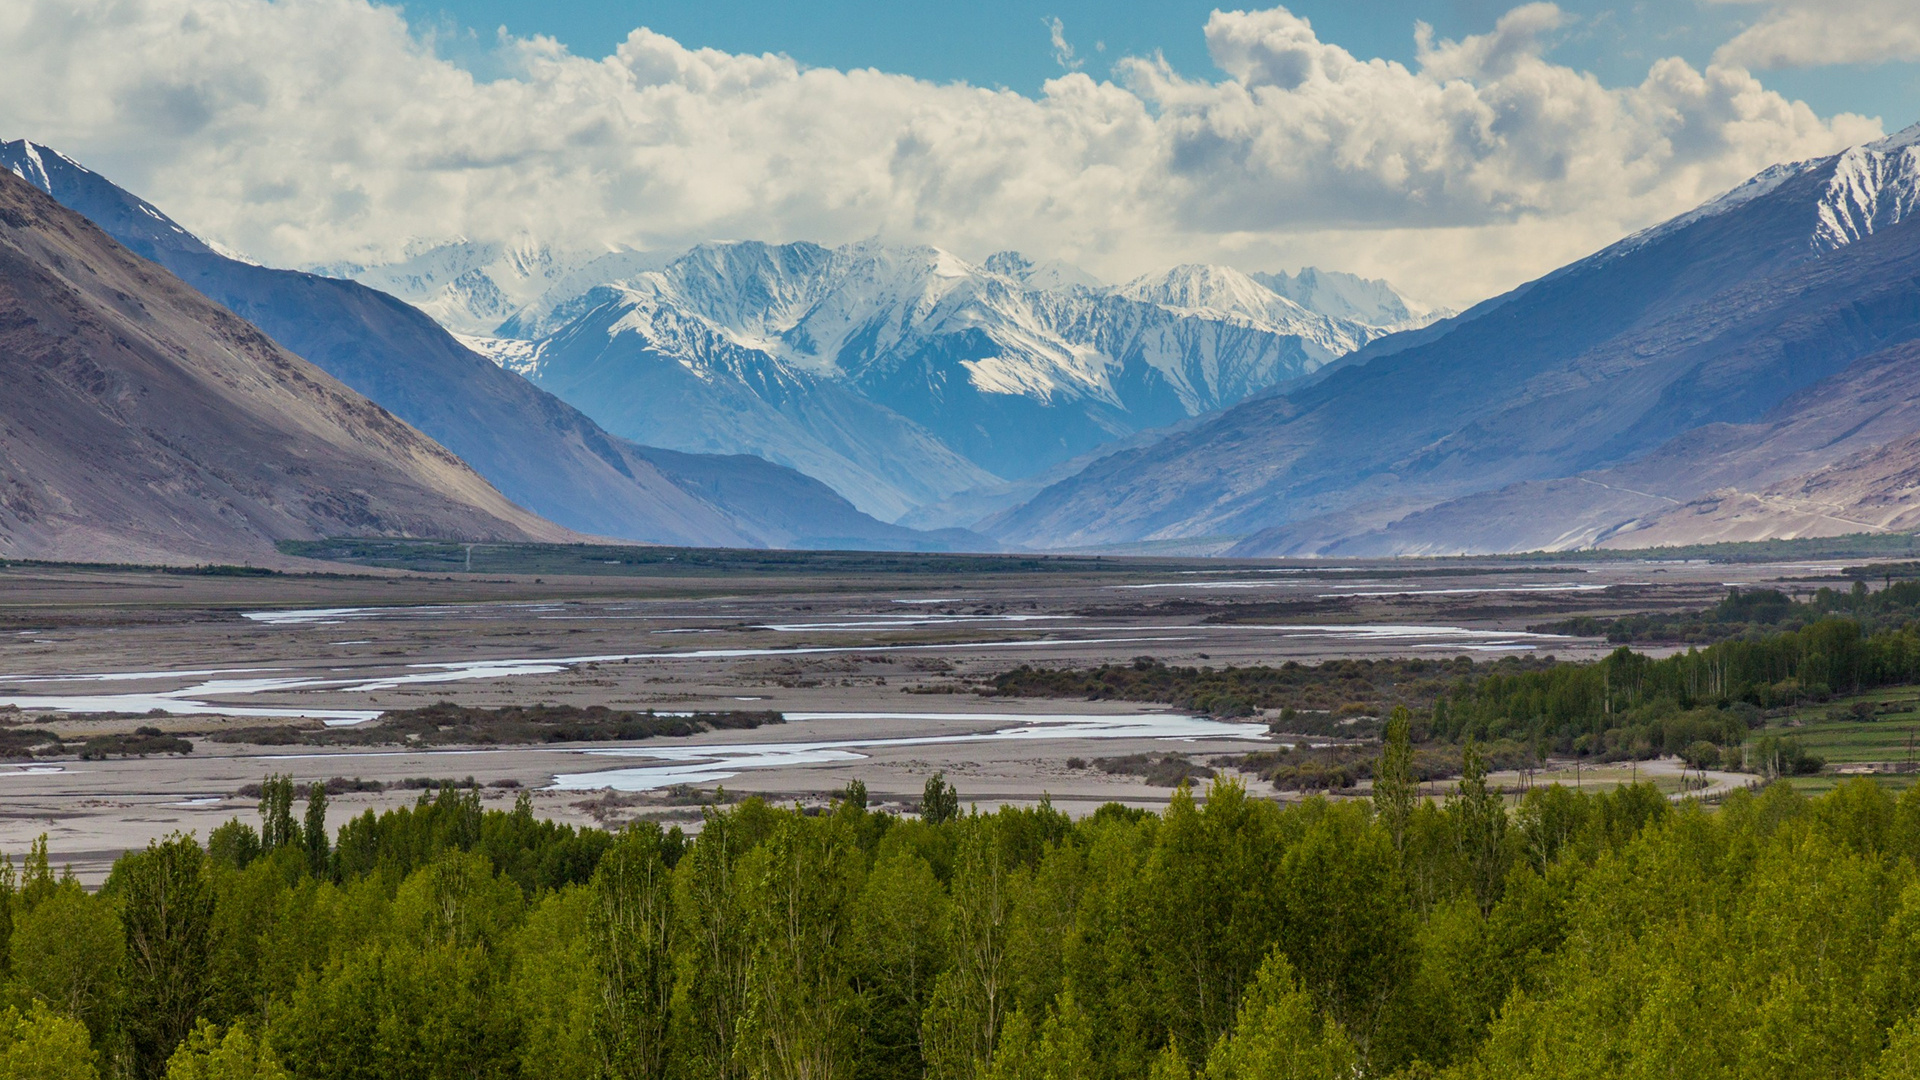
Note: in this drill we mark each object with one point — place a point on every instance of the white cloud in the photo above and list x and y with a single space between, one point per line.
1814 33
302 131
1063 53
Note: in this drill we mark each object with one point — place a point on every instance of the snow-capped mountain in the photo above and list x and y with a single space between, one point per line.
471 287
1370 301
1861 190
951 374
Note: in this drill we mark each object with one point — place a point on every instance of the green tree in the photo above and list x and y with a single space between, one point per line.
899 941
67 951
710 988
1277 1036
1901 1059
855 794
277 828
939 802
401 1011
555 986
1479 818
314 833
1062 1049
1347 926
456 900
168 912
797 889
233 844
236 1055
247 909
632 930
36 873
970 999
40 1045
1171 1064
9 889
1394 787
1215 907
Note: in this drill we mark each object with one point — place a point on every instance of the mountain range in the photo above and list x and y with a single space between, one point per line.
899 376
537 450
1740 372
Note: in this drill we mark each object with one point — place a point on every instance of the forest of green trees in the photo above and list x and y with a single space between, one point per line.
1757 612
1626 706
1576 935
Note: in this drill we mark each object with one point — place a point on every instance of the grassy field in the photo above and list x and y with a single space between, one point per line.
1891 733
1825 782
1831 730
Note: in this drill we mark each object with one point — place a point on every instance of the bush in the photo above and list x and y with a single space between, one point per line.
1702 755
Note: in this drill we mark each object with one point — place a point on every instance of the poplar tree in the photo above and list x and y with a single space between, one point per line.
798 890
1478 816
276 813
167 914
1394 788
632 928
970 999
711 988
314 833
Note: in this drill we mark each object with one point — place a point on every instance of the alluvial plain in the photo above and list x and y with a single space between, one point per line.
876 663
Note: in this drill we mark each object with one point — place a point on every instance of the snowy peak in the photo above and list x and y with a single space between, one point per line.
472 287
1219 290
1336 313
1867 188
25 160
1051 275
1346 296
1872 187
134 220
746 286
866 311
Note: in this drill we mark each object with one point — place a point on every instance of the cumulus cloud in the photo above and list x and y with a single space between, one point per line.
1814 33
302 131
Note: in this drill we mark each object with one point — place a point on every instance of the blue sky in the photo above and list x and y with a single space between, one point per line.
1006 42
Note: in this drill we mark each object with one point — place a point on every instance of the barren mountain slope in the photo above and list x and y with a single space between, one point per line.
142 421
1828 460
538 450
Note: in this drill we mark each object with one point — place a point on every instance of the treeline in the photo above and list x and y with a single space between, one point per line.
1626 706
1228 938
1334 689
1629 705
1752 613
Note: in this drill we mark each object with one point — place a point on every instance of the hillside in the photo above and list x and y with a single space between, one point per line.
144 423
